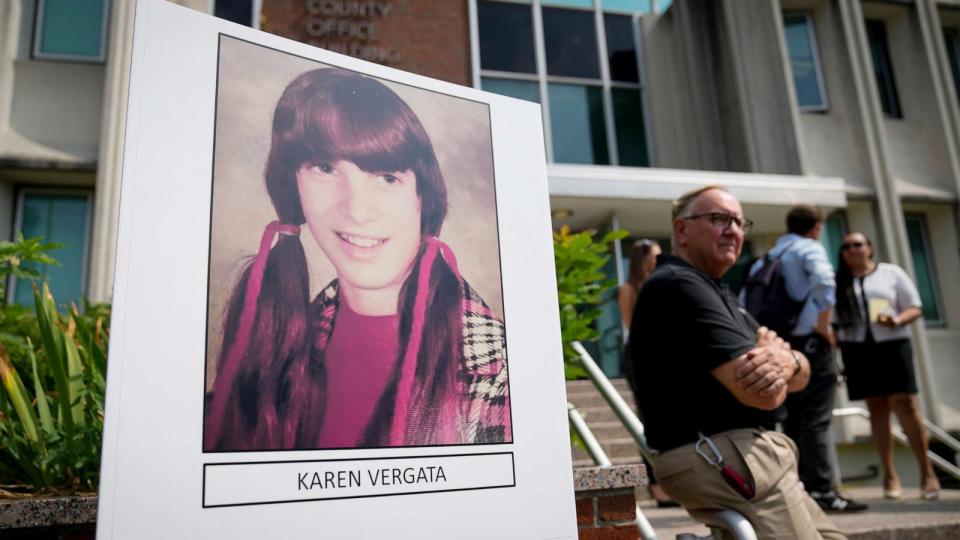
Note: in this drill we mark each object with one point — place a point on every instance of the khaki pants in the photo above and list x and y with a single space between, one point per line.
780 508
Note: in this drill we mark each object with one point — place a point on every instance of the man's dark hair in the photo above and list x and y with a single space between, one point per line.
802 218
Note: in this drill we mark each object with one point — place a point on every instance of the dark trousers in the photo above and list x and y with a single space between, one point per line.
810 410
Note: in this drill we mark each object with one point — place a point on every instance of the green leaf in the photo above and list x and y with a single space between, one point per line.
43 407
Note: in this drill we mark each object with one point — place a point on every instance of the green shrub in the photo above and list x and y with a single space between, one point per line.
52 383
579 260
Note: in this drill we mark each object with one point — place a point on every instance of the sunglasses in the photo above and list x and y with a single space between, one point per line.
851 245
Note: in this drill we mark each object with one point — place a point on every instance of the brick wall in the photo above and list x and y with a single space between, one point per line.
428 37
608 514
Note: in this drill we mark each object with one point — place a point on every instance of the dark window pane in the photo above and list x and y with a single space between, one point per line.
71 28
803 60
576 124
621 48
506 37
923 266
238 11
883 68
570 38
527 90
63 219
953 53
628 119
641 6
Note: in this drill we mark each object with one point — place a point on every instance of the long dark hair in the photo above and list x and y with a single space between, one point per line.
278 397
848 308
638 254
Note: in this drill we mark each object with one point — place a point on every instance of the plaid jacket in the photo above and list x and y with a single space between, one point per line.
483 414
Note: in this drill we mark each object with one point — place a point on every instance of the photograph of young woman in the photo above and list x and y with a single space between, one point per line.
397 349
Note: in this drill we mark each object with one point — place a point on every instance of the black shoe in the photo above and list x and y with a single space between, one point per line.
834 503
668 503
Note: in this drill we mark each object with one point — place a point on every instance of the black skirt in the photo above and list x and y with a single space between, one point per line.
878 369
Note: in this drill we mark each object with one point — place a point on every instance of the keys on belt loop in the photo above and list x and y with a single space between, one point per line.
707 449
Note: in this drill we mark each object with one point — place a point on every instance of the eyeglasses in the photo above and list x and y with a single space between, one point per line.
722 221
851 245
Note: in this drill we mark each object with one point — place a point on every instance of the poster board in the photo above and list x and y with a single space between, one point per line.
481 452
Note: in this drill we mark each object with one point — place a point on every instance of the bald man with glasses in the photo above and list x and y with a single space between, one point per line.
709 378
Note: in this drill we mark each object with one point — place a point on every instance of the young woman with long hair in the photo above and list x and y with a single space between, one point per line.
398 350
643 260
875 304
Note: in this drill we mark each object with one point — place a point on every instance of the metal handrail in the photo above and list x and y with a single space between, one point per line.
586 435
600 458
898 434
616 401
730 520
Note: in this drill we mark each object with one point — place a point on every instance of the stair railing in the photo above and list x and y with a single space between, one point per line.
590 441
898 434
730 520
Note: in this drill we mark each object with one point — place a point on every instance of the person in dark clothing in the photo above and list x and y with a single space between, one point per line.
809 280
709 378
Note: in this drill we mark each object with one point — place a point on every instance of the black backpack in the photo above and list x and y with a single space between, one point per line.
767 299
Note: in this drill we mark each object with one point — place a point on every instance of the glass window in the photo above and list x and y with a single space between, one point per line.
506 37
71 30
628 119
568 3
527 90
570 39
238 11
591 111
639 6
922 258
577 124
834 229
62 218
663 5
802 47
621 48
952 39
883 68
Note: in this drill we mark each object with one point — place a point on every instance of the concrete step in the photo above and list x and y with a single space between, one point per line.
885 520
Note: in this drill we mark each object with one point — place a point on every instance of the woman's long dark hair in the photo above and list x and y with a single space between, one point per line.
277 400
848 308
639 252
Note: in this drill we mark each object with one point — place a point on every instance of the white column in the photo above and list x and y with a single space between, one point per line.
110 159
888 200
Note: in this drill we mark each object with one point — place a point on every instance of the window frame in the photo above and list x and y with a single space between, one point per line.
940 321
37 54
543 79
889 81
817 65
21 194
951 38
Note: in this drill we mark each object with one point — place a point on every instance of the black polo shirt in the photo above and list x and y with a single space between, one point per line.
685 324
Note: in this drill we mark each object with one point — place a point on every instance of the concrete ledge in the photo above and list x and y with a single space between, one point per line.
616 477
50 512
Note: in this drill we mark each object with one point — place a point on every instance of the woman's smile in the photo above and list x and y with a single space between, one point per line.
359 241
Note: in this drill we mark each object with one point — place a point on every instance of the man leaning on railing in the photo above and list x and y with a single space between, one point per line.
708 378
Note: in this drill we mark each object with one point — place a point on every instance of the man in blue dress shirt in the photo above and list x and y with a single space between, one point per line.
809 277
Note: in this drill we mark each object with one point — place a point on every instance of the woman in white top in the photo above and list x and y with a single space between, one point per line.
875 304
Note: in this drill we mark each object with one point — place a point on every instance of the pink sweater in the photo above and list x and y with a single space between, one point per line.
359 359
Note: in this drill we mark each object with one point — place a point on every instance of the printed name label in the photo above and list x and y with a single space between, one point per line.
271 482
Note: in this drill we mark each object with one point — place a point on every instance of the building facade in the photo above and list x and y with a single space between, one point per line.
848 104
